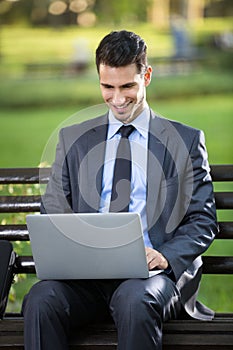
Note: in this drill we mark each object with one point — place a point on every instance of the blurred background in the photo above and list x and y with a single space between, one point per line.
47 74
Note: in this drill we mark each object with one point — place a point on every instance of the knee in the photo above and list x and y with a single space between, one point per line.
133 302
41 300
142 300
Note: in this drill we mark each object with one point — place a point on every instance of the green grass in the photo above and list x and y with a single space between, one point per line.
24 132
216 292
212 114
84 89
48 44
20 45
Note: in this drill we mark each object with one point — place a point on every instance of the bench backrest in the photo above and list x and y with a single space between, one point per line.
27 203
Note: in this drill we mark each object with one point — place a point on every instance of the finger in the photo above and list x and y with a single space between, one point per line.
152 261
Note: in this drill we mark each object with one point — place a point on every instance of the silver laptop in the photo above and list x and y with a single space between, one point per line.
88 246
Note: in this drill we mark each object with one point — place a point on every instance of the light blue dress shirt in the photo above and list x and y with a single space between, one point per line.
138 142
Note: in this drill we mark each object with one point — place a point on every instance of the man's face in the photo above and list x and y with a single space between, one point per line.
124 90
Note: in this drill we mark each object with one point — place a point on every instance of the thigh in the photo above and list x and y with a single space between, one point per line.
79 302
159 291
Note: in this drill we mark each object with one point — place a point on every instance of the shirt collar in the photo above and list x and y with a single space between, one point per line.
141 123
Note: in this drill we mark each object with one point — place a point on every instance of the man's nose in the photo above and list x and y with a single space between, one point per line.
118 98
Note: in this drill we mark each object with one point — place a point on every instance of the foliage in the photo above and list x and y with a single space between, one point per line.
114 12
31 12
120 12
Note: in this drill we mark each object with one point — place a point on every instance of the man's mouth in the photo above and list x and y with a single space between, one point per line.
121 108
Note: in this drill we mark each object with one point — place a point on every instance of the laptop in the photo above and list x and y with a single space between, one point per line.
88 246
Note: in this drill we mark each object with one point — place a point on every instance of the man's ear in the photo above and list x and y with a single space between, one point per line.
148 75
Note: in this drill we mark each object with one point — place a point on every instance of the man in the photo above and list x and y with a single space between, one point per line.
170 188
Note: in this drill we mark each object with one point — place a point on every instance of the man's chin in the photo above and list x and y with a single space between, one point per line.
122 117
125 117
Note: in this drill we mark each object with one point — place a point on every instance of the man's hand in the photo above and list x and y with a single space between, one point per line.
155 259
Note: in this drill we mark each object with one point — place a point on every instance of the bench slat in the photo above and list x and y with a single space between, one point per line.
24 175
222 172
17 204
218 265
178 334
226 230
24 264
219 172
14 232
211 265
224 200
20 232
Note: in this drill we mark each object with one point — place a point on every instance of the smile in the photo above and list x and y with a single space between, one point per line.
121 107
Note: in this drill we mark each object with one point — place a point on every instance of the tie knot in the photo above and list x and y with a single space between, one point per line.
125 131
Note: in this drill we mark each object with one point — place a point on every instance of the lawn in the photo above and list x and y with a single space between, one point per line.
28 130
20 45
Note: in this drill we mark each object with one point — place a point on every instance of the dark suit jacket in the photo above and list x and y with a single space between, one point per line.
180 206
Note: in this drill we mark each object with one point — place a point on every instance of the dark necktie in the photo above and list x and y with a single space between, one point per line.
121 185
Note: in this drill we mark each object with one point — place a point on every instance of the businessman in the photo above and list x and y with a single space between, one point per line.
164 176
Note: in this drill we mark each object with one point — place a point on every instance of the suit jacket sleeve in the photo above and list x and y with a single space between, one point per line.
57 198
198 227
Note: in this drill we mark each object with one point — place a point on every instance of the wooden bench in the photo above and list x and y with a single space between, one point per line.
178 334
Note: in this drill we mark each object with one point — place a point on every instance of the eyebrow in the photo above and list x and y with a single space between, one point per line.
130 84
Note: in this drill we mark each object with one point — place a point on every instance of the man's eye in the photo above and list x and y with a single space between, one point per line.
128 86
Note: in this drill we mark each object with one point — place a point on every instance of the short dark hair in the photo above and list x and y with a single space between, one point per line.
121 48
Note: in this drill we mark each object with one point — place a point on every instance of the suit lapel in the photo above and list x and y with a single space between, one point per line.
156 154
96 144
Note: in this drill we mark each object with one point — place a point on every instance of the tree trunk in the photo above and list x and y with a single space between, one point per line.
158 13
